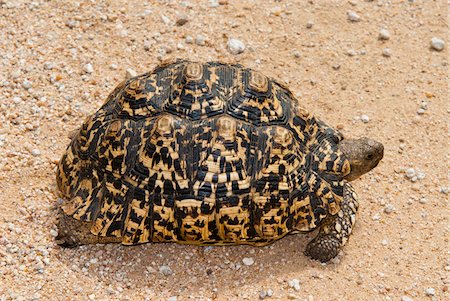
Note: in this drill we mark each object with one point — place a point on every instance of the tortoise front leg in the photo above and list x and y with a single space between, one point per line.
335 229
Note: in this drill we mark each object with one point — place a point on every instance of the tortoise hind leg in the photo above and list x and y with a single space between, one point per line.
73 233
335 230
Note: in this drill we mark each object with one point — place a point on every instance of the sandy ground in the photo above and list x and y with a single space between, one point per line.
399 249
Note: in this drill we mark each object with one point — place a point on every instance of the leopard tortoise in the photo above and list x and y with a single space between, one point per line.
209 154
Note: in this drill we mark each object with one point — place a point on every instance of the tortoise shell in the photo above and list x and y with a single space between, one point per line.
202 153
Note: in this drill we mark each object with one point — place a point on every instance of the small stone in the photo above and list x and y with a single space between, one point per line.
420 175
48 66
292 297
113 66
173 298
165 270
309 24
353 16
130 73
181 20
365 118
410 173
200 40
384 34
389 208
189 40
376 217
387 52
297 54
235 46
420 111
437 44
214 3
262 294
26 84
35 152
53 233
295 284
91 297
165 20
248 261
351 52
430 291
406 298
88 68
385 242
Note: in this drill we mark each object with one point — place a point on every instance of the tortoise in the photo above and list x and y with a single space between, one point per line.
209 154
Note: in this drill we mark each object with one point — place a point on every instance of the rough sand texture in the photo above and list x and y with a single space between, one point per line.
337 69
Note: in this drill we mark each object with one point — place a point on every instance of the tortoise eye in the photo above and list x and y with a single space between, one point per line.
369 157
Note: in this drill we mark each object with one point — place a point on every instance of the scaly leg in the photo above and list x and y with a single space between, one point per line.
335 229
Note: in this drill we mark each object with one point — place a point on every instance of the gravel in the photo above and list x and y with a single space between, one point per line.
165 270
387 52
430 291
437 44
26 84
130 73
295 284
406 298
353 16
384 34
181 20
248 261
309 24
88 68
365 118
200 40
235 46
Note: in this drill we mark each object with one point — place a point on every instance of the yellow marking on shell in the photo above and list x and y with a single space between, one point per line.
164 125
258 82
283 136
193 71
302 112
226 127
114 127
71 206
338 227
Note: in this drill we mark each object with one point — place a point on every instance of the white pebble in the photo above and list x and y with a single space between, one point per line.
189 40
365 118
309 24
48 66
295 284
35 152
387 52
200 40
26 84
384 242
113 66
353 16
406 298
430 291
248 261
235 46
269 292
410 173
437 44
173 298
165 270
53 233
130 73
376 217
389 208
420 111
384 34
88 68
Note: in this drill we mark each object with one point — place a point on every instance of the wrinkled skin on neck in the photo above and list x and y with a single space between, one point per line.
364 154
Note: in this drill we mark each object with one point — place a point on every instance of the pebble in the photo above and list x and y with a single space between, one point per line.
181 20
437 44
26 84
53 233
309 24
48 66
130 73
200 40
353 16
351 52
235 46
214 3
376 217
406 298
269 292
248 261
365 118
173 298
430 291
262 294
385 242
88 68
113 66
189 40
35 152
389 208
387 52
165 270
295 284
384 34
420 111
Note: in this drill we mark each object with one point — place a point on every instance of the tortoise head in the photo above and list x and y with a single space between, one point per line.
364 154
